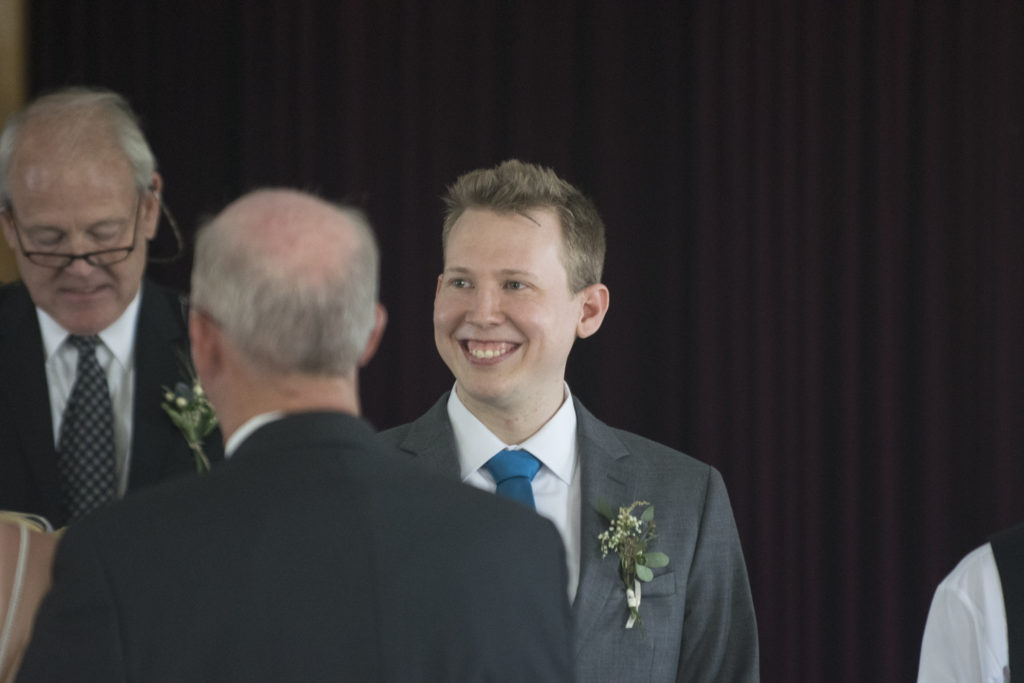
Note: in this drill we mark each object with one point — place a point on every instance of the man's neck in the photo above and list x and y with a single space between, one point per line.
287 394
515 421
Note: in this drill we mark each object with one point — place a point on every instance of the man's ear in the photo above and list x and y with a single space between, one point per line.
149 214
380 322
8 228
595 305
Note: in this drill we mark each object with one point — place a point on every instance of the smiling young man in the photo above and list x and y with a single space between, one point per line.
523 256
79 202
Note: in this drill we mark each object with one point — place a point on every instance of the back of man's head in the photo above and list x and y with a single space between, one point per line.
78 119
291 281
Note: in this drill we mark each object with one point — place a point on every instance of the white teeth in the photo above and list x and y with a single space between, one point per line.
488 351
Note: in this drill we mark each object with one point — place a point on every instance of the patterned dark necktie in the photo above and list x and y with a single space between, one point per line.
86 449
513 472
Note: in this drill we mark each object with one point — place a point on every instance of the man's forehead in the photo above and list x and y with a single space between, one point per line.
537 215
61 142
35 173
476 227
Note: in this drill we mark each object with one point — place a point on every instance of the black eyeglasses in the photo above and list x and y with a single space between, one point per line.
101 258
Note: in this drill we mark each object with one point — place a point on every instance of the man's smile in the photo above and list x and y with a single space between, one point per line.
84 291
488 351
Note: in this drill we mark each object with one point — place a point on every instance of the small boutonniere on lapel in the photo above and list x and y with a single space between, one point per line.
630 537
192 414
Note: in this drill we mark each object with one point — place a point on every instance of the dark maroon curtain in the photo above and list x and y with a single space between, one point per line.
815 239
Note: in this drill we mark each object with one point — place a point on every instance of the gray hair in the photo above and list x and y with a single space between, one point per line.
75 109
315 323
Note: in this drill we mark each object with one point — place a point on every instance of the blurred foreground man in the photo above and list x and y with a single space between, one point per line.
314 552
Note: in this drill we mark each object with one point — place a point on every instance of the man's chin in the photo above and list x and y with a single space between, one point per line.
496 395
86 320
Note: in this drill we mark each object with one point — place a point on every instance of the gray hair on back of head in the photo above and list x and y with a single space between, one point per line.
312 325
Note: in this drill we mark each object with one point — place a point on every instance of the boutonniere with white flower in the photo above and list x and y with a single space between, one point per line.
630 537
192 414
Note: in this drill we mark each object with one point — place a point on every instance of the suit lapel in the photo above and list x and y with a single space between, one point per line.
160 336
604 478
432 442
22 359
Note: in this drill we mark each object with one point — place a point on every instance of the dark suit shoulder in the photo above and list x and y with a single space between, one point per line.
15 303
653 449
658 456
174 297
395 435
164 308
8 289
434 419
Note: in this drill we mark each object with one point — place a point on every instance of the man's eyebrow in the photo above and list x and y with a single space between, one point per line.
505 272
102 222
515 272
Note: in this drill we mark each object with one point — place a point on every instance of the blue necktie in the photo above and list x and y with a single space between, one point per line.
513 472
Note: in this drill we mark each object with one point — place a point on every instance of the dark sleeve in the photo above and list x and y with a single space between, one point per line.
76 635
543 606
720 630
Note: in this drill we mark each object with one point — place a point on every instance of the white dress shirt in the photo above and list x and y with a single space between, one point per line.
965 635
116 355
246 430
556 488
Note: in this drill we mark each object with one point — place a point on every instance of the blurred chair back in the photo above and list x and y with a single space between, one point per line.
27 544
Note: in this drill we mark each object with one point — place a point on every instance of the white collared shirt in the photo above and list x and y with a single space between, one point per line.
116 355
247 428
965 635
556 488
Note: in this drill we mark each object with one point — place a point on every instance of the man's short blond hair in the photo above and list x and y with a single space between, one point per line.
514 186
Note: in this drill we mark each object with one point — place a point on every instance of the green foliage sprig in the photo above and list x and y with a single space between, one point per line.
192 414
630 537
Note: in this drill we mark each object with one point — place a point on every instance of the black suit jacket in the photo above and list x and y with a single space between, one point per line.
28 461
315 553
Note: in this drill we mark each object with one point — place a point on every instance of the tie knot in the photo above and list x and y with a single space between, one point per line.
508 464
85 345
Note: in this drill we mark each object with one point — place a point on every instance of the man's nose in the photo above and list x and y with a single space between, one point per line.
485 308
79 266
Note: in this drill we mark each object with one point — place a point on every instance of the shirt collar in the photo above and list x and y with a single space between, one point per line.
246 430
119 337
554 444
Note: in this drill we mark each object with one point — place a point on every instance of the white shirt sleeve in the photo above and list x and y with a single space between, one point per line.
965 635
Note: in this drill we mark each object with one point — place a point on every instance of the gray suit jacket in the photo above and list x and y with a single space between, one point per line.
698 614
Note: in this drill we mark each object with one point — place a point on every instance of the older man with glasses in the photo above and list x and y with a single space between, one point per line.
86 344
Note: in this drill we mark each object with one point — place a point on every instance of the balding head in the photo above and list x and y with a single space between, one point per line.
76 123
291 280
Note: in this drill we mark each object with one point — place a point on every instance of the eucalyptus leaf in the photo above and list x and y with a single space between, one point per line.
643 573
648 514
604 510
656 559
